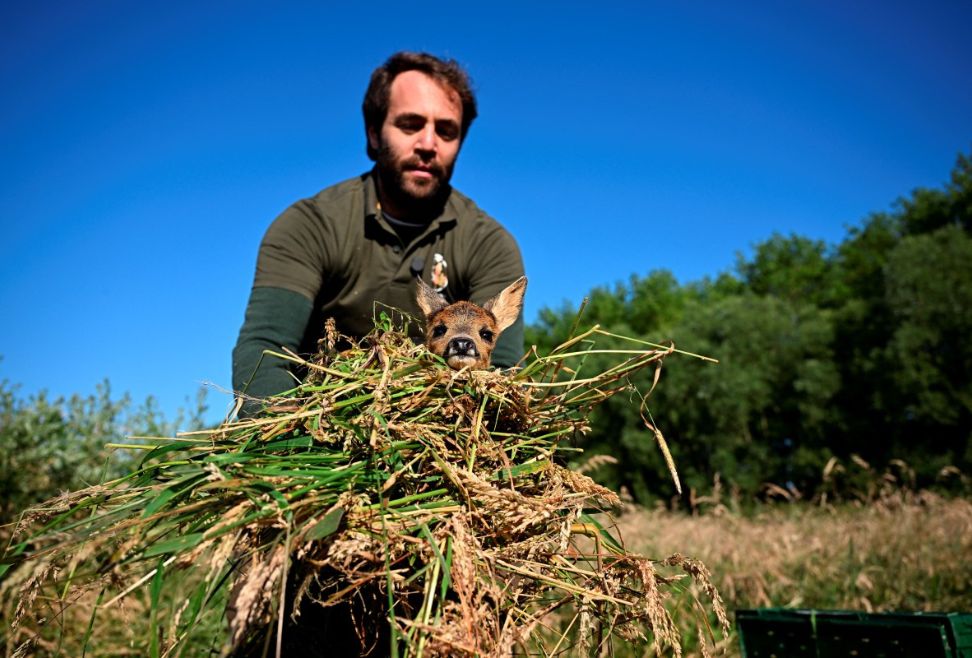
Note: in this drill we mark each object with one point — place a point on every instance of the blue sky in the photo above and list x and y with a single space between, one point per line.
145 149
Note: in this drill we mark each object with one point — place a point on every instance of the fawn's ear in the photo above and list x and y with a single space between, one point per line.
428 299
506 305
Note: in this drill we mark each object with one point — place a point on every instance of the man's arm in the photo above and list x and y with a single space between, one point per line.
292 257
275 318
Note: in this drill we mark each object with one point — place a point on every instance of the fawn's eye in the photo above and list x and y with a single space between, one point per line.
486 335
438 331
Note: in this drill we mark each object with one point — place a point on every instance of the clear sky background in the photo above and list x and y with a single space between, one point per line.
145 148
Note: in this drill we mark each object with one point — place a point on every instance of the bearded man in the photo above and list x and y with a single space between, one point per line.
355 248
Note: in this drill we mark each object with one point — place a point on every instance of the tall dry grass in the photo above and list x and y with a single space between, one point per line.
909 551
432 503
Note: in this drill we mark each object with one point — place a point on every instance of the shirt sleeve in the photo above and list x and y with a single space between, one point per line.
275 318
289 273
294 253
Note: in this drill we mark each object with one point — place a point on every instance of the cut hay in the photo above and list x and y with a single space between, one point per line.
435 505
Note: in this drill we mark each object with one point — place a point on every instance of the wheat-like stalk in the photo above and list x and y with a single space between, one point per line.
385 476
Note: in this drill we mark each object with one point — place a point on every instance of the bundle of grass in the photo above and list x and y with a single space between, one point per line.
430 506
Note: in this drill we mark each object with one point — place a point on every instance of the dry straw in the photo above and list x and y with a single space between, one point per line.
386 477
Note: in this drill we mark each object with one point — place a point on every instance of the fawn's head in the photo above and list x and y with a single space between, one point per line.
463 333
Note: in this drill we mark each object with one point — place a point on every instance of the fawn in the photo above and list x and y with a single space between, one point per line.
463 333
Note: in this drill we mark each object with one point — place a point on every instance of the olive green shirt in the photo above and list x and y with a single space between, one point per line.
335 255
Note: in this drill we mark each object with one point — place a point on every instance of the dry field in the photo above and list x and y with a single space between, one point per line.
906 551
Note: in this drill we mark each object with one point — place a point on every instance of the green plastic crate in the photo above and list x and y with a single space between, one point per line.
783 633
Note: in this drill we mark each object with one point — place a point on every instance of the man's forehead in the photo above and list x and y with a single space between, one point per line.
414 92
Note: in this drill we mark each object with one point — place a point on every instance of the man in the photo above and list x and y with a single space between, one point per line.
356 248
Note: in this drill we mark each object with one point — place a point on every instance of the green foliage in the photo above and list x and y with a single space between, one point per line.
857 348
48 446
793 268
646 303
766 399
825 350
929 294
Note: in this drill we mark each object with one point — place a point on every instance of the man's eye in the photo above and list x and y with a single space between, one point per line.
486 335
438 331
410 125
447 130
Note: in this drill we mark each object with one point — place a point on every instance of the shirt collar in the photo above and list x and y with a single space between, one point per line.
445 220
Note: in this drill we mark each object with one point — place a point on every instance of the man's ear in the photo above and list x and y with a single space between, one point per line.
428 299
374 140
506 305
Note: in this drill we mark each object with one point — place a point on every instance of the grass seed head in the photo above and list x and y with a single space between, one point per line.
385 477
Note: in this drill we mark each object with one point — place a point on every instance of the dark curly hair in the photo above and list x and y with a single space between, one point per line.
445 71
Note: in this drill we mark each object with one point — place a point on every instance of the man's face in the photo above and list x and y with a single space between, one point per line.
418 142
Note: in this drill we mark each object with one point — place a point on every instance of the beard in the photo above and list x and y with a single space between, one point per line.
423 200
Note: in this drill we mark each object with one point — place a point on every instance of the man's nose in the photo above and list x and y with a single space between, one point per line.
427 139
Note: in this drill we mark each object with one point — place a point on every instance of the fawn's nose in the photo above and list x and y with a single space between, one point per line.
461 346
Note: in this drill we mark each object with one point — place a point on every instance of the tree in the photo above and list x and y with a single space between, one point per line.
929 294
767 401
794 268
861 347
